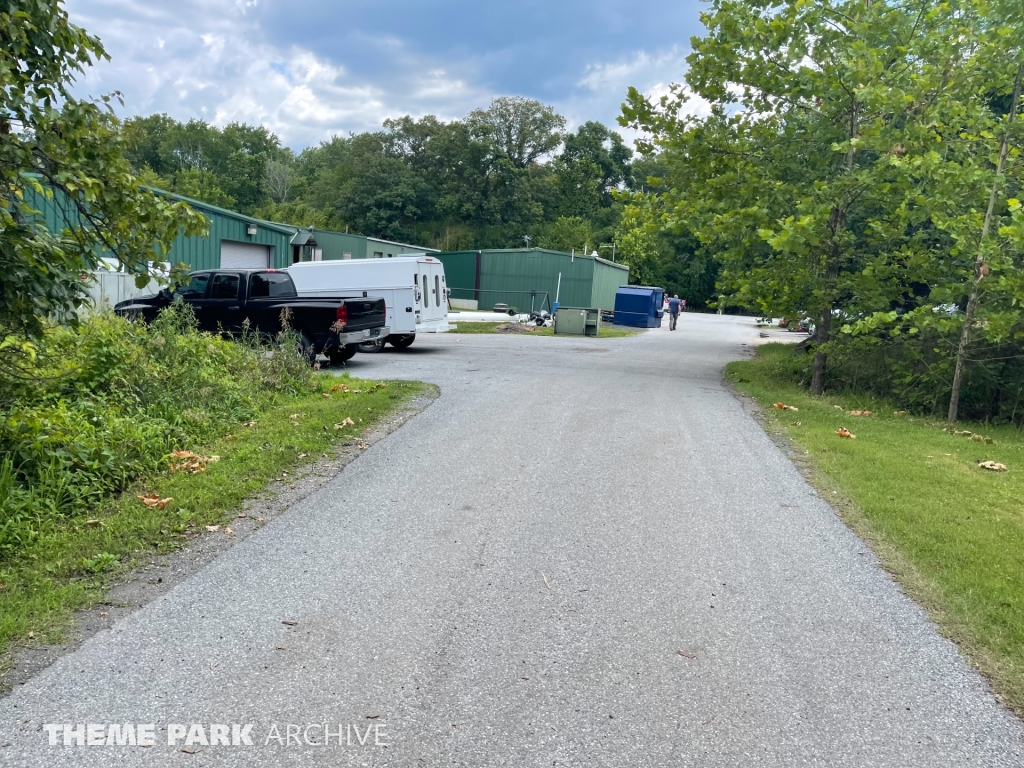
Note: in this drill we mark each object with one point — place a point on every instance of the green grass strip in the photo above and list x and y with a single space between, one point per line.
950 531
68 567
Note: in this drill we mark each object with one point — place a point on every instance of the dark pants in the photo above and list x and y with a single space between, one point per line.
672 319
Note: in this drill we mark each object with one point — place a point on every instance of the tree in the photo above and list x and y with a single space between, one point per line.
638 245
278 180
55 147
522 130
986 256
568 233
822 114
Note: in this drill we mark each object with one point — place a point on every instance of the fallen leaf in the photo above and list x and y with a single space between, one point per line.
99 523
280 648
152 500
243 514
191 751
784 407
897 414
295 416
860 413
228 531
372 717
213 528
31 635
303 455
844 432
259 519
546 582
104 613
250 424
290 623
993 466
687 655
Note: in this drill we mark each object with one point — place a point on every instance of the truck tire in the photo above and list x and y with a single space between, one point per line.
402 341
343 354
371 347
307 347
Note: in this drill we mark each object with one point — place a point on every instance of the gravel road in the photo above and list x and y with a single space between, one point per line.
584 553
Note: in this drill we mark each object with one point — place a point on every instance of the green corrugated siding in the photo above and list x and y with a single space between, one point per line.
508 276
607 280
336 244
204 252
199 252
57 211
460 272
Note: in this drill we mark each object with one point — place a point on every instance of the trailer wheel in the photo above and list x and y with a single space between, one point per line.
402 341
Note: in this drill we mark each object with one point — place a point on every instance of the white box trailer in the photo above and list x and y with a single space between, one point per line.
412 286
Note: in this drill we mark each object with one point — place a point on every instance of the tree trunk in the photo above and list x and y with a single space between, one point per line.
821 336
980 267
837 222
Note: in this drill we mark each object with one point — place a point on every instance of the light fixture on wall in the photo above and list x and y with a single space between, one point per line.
250 230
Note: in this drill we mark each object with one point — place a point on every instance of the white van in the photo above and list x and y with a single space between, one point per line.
412 286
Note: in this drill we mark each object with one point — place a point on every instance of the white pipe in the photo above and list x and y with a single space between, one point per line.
558 289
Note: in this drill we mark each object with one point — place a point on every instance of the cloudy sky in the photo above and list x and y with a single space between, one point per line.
308 69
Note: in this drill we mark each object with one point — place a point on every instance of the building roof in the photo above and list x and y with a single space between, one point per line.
401 245
287 229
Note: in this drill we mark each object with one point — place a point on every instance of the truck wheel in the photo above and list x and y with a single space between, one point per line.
403 341
343 355
307 347
369 347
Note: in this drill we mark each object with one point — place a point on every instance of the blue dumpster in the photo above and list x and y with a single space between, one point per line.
639 306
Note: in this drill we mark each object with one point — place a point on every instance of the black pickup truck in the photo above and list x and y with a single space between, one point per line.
223 299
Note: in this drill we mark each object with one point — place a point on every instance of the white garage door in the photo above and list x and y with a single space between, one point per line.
243 255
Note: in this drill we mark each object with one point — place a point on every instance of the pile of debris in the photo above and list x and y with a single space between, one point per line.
514 328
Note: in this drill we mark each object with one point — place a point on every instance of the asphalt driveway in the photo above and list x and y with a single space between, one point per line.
585 553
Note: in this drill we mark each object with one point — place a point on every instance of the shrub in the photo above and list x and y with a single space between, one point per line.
104 404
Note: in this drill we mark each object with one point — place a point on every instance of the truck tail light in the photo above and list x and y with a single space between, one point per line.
342 314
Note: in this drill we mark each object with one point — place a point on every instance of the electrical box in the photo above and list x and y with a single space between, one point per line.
578 321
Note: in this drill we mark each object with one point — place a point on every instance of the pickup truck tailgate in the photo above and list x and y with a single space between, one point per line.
365 313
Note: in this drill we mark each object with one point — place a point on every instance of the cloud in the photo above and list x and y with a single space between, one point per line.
308 70
602 87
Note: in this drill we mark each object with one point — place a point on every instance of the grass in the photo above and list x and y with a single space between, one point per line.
607 331
951 532
68 568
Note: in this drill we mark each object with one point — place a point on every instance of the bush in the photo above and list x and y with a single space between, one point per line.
915 371
104 404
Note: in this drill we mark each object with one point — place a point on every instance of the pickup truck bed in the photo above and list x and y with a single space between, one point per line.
224 299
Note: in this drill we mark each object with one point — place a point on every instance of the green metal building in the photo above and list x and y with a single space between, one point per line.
522 277
240 241
234 240
324 245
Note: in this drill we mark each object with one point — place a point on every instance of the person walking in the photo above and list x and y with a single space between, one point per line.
673 311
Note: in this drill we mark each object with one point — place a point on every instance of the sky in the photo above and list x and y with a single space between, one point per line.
309 69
